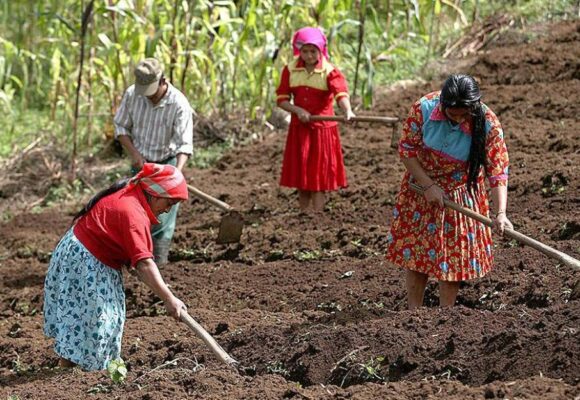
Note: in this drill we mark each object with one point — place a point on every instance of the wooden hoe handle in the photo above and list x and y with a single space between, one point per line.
511 233
383 120
208 339
204 196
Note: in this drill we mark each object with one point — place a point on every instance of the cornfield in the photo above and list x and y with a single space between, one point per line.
73 59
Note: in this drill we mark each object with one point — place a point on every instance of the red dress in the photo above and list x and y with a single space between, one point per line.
441 242
313 154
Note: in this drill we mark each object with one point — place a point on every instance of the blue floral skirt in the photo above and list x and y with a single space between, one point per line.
84 306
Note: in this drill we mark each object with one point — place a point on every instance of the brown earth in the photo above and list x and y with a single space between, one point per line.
308 305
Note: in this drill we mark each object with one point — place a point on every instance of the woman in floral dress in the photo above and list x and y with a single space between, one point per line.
451 141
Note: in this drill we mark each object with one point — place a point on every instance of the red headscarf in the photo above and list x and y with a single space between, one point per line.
313 36
161 181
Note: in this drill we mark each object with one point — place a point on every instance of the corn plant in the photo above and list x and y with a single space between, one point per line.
225 55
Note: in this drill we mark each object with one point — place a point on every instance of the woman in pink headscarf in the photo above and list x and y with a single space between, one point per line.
309 85
84 301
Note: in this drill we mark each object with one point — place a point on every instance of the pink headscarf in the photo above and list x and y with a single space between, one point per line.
313 36
161 181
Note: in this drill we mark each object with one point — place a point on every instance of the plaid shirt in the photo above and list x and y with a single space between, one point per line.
158 131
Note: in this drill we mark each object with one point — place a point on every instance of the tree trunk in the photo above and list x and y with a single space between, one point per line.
86 16
173 44
188 18
361 34
475 15
389 19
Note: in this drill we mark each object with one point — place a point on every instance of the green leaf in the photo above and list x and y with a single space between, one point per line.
17 81
458 9
117 370
416 9
105 40
55 66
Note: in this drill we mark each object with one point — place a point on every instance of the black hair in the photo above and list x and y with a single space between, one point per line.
115 187
462 91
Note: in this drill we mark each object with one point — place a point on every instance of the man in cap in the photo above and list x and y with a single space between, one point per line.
154 123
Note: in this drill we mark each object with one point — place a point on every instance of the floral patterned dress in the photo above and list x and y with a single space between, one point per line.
442 242
84 306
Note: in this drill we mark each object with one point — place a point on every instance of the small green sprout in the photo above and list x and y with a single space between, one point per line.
307 255
278 368
371 370
117 370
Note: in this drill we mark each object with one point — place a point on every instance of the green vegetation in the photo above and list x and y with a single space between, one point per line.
371 370
307 255
117 370
20 368
554 184
207 157
21 127
329 307
277 367
224 55
68 191
99 388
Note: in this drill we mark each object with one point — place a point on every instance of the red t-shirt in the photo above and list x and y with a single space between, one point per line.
313 91
117 230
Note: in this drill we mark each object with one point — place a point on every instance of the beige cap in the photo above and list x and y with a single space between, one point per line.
147 75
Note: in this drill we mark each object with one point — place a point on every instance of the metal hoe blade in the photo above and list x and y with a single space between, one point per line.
230 228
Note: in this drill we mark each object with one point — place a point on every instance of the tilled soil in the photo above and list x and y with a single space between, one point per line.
308 305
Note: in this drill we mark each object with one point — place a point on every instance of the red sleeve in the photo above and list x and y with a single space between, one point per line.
497 160
283 91
337 84
136 240
412 136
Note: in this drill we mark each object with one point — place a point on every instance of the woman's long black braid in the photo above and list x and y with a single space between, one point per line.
477 149
463 91
115 187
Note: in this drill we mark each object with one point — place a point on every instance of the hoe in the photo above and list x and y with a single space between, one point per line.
231 224
511 233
